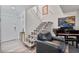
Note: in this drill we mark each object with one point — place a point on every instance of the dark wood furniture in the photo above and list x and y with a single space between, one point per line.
67 33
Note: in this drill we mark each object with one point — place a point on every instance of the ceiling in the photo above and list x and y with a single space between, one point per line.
14 9
18 9
69 8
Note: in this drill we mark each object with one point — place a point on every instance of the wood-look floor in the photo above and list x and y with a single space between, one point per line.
15 46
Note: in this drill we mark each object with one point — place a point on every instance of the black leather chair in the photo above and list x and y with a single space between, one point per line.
44 47
45 36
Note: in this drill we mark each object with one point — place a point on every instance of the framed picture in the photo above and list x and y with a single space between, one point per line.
45 10
66 21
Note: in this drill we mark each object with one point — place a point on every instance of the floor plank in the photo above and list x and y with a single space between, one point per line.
15 46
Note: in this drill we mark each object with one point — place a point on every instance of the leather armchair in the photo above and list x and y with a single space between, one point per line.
45 47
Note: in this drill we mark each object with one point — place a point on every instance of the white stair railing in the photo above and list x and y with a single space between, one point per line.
43 26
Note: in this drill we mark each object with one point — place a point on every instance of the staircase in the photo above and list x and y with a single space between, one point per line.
42 27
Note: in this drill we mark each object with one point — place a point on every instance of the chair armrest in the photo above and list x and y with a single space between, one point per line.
46 47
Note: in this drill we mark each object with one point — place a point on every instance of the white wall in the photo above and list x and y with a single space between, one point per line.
70 14
31 22
0 28
55 12
77 20
8 22
22 21
11 18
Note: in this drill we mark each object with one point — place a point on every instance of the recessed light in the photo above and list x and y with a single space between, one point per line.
13 7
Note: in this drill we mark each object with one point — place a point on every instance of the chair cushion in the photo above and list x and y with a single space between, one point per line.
45 37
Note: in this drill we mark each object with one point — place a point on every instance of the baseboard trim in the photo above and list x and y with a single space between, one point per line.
9 40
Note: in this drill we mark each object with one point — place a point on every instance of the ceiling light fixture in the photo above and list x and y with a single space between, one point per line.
13 7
